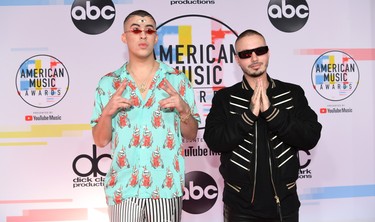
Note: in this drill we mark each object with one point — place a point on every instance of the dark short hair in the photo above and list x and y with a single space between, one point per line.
248 32
141 13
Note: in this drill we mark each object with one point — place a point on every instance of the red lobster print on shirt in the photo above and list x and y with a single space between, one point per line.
118 196
146 178
147 138
136 138
153 82
169 141
113 179
176 163
168 181
116 83
123 120
157 119
135 99
155 194
182 88
156 160
150 101
122 161
133 181
132 86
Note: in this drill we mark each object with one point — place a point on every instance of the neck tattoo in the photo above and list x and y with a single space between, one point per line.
143 86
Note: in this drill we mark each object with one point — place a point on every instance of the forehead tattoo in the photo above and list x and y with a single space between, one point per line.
142 20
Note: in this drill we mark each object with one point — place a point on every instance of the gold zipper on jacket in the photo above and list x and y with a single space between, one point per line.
273 185
256 161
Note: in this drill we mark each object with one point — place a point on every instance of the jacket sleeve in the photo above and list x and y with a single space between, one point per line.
225 130
298 127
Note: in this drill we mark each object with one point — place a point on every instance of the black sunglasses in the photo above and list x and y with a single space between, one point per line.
258 51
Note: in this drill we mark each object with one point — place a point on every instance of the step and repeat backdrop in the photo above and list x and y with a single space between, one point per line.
52 171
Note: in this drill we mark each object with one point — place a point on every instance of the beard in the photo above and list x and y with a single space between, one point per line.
254 73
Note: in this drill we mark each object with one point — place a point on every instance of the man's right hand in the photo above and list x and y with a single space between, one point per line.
255 101
117 101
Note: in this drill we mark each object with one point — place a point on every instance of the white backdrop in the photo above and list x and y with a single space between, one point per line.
50 167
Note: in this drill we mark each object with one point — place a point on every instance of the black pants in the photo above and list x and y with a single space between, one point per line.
232 216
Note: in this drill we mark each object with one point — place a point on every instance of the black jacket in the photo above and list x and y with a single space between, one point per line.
270 141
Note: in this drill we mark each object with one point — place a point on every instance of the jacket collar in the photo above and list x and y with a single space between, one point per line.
245 85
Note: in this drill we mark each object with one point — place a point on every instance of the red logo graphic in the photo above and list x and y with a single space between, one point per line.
28 118
323 110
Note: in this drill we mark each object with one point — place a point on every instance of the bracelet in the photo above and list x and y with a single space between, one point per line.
186 117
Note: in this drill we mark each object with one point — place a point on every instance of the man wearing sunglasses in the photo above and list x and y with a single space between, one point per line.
259 125
144 109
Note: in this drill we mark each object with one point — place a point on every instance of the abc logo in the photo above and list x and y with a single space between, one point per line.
93 16
288 15
94 163
200 192
306 160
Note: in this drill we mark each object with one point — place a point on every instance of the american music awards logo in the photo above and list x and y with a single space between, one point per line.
203 48
335 75
42 81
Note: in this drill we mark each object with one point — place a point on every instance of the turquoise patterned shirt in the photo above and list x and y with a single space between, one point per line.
147 149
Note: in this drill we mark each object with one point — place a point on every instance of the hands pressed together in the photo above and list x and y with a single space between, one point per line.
259 101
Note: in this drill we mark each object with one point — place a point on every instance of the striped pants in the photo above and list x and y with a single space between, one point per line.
146 210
